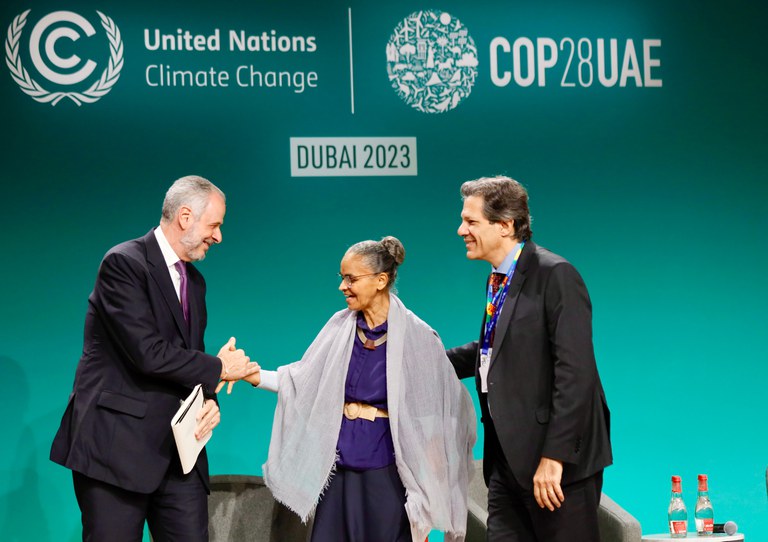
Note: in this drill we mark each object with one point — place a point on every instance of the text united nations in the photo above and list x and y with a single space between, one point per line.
166 75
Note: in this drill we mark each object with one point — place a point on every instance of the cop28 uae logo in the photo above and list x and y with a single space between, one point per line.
45 51
432 61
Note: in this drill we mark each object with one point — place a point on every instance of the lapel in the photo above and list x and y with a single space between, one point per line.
508 309
159 272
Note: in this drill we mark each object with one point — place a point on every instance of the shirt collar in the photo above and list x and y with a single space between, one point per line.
169 255
507 263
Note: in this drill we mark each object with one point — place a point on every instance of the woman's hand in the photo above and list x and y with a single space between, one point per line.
253 378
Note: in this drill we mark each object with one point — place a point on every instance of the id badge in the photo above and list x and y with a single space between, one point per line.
485 363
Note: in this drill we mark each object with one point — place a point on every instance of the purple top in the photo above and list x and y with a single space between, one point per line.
363 444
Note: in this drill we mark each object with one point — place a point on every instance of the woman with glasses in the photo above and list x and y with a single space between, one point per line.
373 433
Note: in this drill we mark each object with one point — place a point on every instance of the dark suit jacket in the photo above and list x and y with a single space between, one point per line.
544 391
140 358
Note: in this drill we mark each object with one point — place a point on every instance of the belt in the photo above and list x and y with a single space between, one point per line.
353 411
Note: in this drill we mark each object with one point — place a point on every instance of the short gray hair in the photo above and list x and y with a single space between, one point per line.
191 191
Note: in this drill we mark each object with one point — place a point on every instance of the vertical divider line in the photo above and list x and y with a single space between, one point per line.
351 68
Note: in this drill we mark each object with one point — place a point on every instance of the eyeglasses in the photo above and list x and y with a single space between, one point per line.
351 279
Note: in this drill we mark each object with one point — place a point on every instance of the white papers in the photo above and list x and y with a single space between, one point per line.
183 425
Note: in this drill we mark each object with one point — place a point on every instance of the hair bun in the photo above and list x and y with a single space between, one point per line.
394 247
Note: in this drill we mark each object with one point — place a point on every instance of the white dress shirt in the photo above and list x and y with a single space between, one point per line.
170 257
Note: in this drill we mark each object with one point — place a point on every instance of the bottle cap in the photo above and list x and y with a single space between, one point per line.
676 479
702 477
703 482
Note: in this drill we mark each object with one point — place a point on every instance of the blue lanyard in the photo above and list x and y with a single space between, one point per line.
495 302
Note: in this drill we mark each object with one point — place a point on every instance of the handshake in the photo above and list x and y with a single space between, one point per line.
235 365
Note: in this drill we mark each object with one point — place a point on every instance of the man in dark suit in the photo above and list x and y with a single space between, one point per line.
143 353
542 404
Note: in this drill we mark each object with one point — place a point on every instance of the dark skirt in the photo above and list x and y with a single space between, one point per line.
363 506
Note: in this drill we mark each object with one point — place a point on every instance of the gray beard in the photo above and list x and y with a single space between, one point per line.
190 246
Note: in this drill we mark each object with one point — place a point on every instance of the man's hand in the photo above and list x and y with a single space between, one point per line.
546 484
235 365
208 418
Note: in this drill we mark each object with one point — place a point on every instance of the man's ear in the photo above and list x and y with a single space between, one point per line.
185 217
506 228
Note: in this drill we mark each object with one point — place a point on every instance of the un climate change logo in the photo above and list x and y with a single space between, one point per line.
69 71
432 61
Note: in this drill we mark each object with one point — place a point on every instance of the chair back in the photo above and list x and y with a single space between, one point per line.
241 507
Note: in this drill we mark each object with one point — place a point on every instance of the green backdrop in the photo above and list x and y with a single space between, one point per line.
656 193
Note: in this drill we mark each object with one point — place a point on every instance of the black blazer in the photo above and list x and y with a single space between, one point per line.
140 358
544 395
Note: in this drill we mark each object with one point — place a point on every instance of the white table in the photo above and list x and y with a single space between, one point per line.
693 536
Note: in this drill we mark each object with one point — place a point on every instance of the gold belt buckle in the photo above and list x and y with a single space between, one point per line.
357 410
352 410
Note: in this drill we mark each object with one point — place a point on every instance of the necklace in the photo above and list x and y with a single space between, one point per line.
370 344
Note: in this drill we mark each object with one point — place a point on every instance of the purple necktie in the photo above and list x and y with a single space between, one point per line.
181 267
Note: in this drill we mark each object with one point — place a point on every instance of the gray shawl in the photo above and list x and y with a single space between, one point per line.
431 416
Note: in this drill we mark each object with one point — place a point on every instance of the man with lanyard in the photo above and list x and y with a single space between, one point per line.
543 407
